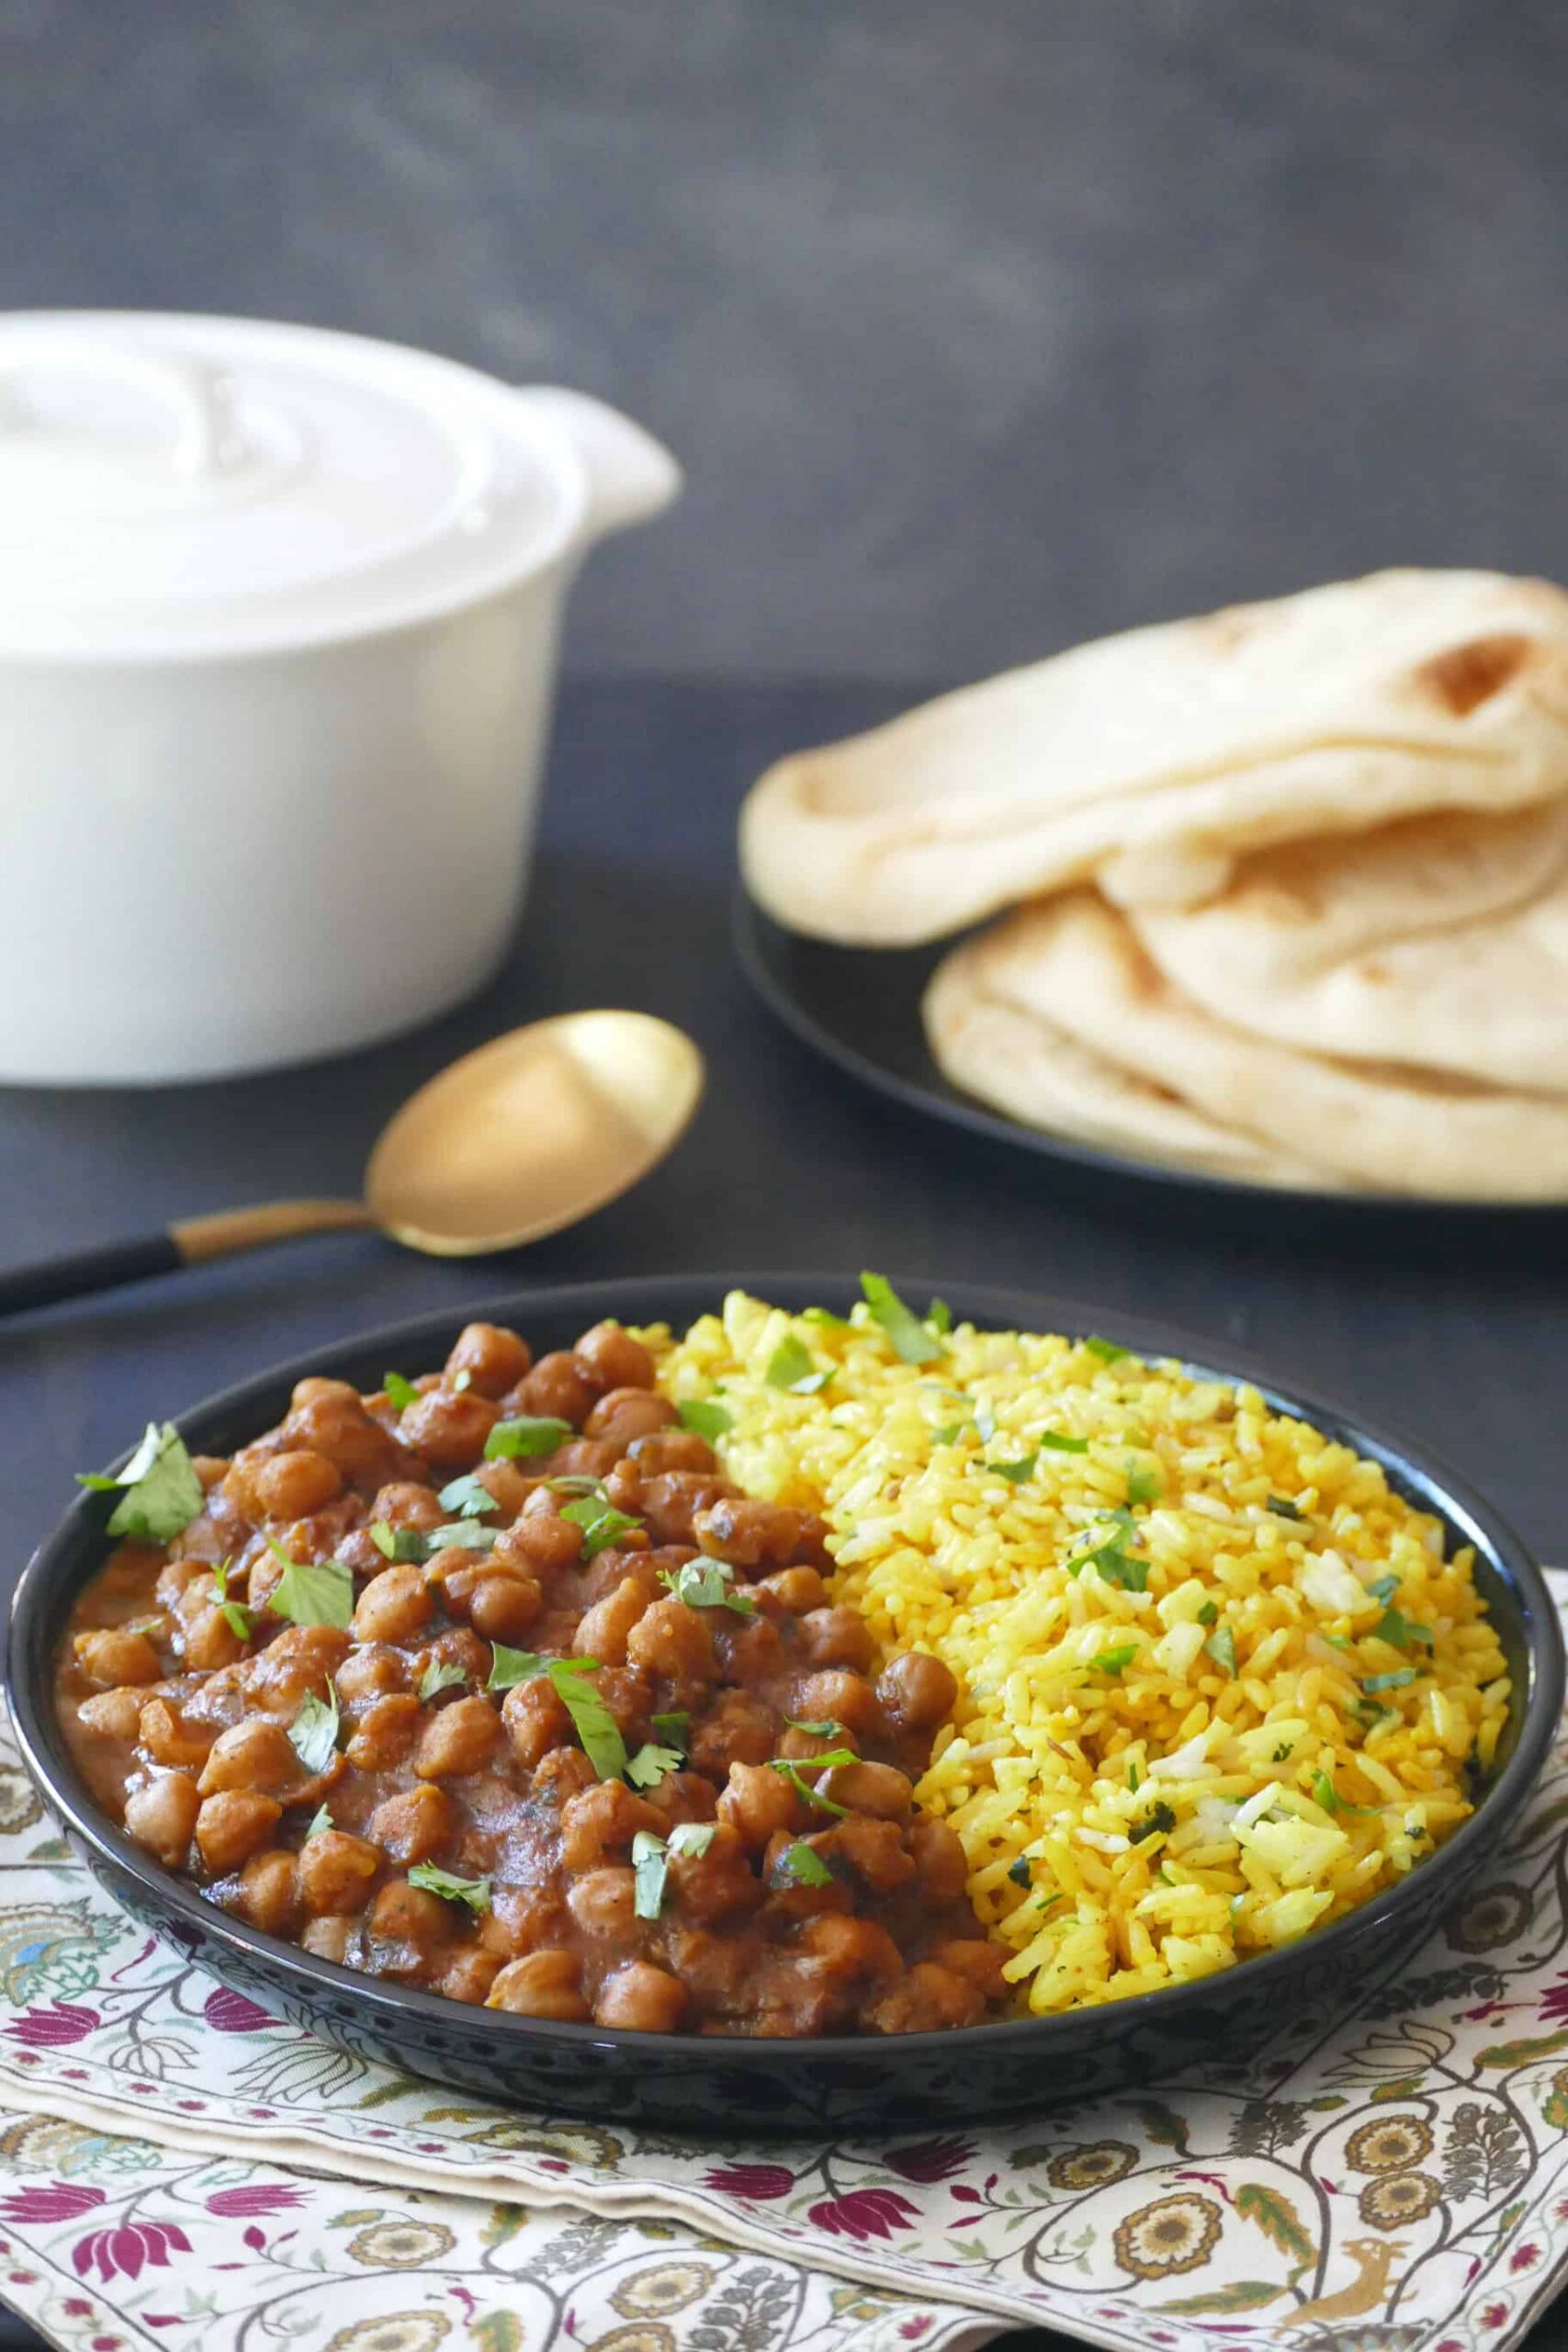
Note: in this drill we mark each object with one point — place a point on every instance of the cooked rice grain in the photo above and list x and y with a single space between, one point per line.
1172 1815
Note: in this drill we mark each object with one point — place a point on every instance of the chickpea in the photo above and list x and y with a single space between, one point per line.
916 1691
336 1872
614 1359
536 1720
338 1426
683 1796
750 1649
459 1739
545 1984
212 1642
269 1892
672 1501
414 1825
557 1389
623 1415
253 1754
394 1606
757 1802
161 1817
210 1470
113 1654
316 1389
298 1664
168 1739
837 1695
386 1732
459 1646
927 2000
600 1823
973 1957
328 1938
411 1915
585 1457
856 1950
233 1825
508 1488
751 1535
370 1673
112 1714
793 1592
449 1430
604 1574
603 1631
541 1543
671 1639
876 1789
715 1968
405 1503
494 1358
940 1858
668 1448
717 1884
640 1998
738 1729
623 1485
504 1607
603 1903
293 1485
561 1775
522 1920
835 1637
469 1976
175 1579
874 1851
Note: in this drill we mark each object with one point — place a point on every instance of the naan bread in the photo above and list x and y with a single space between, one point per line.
1152 760
1076 962
1020 1064
1441 943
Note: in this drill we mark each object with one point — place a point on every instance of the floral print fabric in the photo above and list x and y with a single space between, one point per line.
1397 2181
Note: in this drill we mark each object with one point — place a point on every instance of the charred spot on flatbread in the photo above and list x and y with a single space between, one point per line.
1467 676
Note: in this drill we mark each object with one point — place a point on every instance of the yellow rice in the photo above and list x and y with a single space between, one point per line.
1170 1816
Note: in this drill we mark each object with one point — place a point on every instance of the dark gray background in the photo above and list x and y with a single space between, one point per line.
981 327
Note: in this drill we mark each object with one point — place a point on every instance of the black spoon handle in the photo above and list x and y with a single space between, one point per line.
185 1244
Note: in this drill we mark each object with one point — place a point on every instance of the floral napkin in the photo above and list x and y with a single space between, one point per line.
1396 2178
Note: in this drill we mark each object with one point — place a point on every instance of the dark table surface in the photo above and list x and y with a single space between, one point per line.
1458 1338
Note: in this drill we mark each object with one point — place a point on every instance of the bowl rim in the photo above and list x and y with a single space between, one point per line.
42 1594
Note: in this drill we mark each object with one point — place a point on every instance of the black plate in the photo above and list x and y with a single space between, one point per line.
730 2085
861 1009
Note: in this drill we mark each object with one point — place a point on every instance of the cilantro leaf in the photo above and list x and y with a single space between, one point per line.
1106 1349
939 1316
1144 1486
950 1432
1019 1871
1054 1443
441 1674
469 1496
312 1592
691 1837
1114 1661
794 1768
1208 1614
596 1726
320 1819
1394 1681
461 1535
601 1523
509 1667
1283 1507
826 1318
912 1340
651 1867
402 1393
1015 1473
530 1434
651 1764
801 1865
1383 1587
706 1417
1220 1647
402 1544
828 1728
162 1493
1323 1792
240 1620
1110 1559
790 1368
1400 1631
1133 1777
1159 1821
674 1729
707 1586
474 1892
314 1733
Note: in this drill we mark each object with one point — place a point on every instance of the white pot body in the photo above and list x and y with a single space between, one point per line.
305 821
257 860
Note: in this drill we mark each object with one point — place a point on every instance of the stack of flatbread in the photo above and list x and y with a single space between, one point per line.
1286 886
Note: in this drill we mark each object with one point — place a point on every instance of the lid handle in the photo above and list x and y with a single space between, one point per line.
188 392
631 477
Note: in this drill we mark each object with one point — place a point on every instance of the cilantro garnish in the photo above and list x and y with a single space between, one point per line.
160 1492
1324 1792
914 1341
1394 1626
1114 1661
441 1674
1208 1614
795 1767
530 1434
1394 1681
314 1733
1283 1507
601 1522
706 1585
650 1862
1383 1587
1019 1871
1110 1559
320 1819
1220 1647
509 1667
801 1865
828 1728
649 1765
1015 1473
240 1620
315 1592
825 1316
596 1726
790 1368
674 1729
950 1432
469 1496
939 1316
1133 1777
405 1544
1142 1485
401 1392
1106 1349
1159 1821
474 1892
461 1535
1053 1442
706 1417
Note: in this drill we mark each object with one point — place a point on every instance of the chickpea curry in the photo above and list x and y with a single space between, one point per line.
490 1682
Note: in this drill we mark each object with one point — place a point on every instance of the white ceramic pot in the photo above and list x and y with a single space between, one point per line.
278 617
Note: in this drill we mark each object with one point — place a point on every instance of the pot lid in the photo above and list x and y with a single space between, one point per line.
175 486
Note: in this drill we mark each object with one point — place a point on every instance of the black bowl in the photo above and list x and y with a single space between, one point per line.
729 2086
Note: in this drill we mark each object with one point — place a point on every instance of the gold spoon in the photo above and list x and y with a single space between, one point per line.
519 1138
